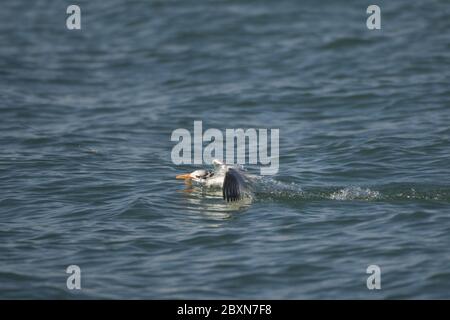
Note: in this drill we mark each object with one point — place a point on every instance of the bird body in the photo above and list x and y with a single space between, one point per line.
232 180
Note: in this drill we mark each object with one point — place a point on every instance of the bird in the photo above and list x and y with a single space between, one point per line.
234 182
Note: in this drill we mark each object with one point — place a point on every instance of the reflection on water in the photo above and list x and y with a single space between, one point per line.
210 202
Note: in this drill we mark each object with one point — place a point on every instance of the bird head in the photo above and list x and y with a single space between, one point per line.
196 175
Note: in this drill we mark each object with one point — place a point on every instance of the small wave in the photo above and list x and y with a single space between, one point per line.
346 42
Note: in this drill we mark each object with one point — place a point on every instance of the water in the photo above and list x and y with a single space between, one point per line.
86 176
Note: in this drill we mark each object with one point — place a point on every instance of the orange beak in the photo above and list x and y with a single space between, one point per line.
186 176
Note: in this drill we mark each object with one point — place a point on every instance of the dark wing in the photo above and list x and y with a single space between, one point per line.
233 185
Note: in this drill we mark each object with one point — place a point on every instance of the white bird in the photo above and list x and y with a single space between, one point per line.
233 181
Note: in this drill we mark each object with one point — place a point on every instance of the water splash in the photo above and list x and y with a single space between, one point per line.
355 193
270 189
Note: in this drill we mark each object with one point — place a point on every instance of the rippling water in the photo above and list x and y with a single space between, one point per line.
87 178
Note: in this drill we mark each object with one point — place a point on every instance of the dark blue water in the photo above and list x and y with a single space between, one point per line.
86 176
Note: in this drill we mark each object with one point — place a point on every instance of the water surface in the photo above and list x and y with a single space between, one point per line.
86 176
